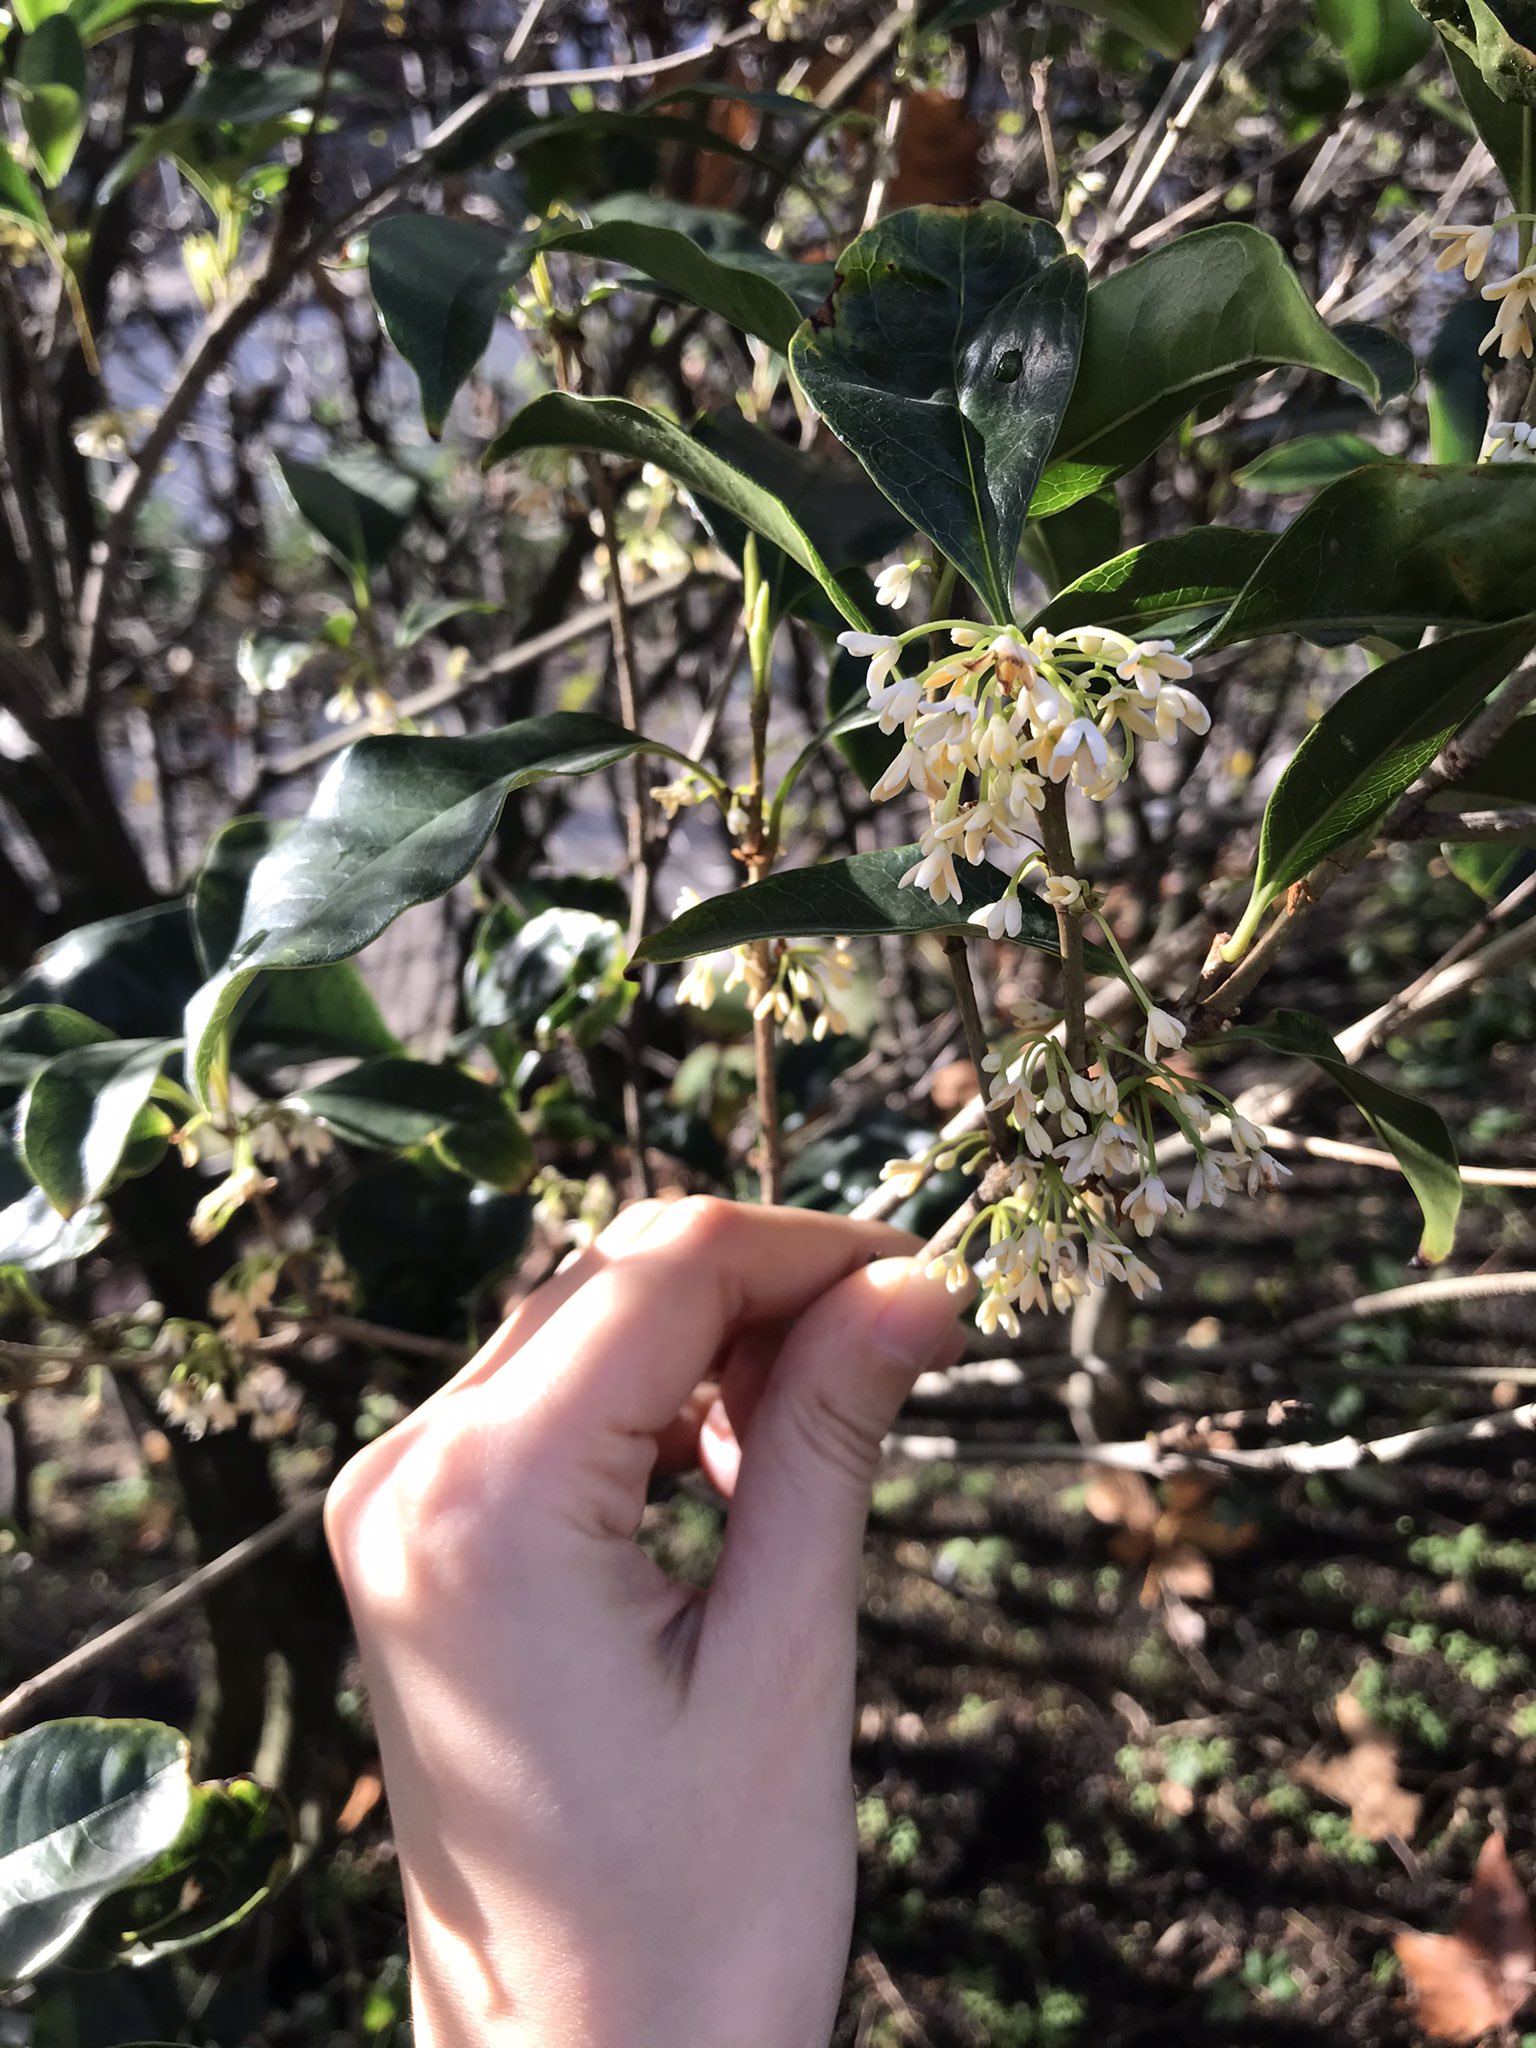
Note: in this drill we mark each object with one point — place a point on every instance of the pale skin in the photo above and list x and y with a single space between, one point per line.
623 1806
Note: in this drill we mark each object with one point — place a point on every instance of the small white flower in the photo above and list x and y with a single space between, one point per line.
1207 1184
879 649
1150 664
1148 1203
1464 244
1063 892
905 1175
935 872
1002 919
1081 748
1164 1033
1141 1279
898 702
952 1270
893 586
1176 707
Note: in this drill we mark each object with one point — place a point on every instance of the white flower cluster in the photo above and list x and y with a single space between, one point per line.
202 1405
1085 1183
1510 441
1470 245
804 977
986 729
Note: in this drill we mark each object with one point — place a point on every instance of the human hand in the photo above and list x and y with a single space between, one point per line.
623 1806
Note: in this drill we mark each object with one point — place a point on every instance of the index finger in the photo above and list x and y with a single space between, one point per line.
622 1355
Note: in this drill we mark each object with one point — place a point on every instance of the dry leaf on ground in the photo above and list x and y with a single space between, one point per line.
1465 1984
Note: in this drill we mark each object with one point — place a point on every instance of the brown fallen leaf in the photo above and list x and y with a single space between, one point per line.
1171 1537
1364 1779
1469 1982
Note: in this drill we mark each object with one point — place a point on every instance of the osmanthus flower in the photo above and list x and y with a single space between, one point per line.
1466 244
1085 1185
802 987
989 727
1511 329
1510 441
893 585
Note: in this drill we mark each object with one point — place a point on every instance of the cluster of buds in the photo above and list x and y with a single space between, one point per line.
1470 245
1085 1187
1510 441
801 985
988 728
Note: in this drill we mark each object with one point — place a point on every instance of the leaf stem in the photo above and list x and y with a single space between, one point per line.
969 1011
1056 839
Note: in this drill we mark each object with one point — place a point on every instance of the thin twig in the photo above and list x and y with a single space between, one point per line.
958 959
18 1705
1056 839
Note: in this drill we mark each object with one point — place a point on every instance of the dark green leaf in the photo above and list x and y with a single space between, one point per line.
1307 463
424 1243
945 359
232 1850
79 1113
612 426
725 236
249 95
133 974
85 1805
1484 866
847 898
579 156
33 1235
31 1037
1373 744
844 517
1378 39
1499 36
1393 548
358 504
397 820
1078 540
1456 385
1174 585
559 972
1507 127
50 75
1412 1132
404 1105
30 14
1178 328
747 294
18 196
1390 360
439 285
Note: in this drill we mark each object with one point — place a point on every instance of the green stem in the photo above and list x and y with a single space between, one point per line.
1056 838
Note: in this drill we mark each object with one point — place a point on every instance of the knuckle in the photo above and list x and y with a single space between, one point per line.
835 1435
699 1222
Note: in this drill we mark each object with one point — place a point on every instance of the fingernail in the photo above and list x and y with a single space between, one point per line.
915 1315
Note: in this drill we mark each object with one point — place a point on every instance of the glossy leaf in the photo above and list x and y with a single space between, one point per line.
18 196
1174 586
357 503
1394 548
79 1113
612 426
1499 36
85 1805
1484 866
560 972
747 293
32 1036
725 236
1378 39
844 517
848 898
50 77
232 1849
1455 387
397 820
944 359
1307 463
131 974
405 1105
1410 1130
1506 126
327 1013
438 285
33 1235
1176 330
1076 541
1373 744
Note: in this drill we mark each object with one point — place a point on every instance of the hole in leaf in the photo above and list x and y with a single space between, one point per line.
1008 366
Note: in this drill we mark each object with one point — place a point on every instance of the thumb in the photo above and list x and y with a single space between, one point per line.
788 1579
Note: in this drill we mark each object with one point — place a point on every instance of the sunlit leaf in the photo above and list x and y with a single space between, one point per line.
356 502
50 78
1307 463
79 1113
1413 1132
1174 586
404 1105
945 359
439 285
1378 39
